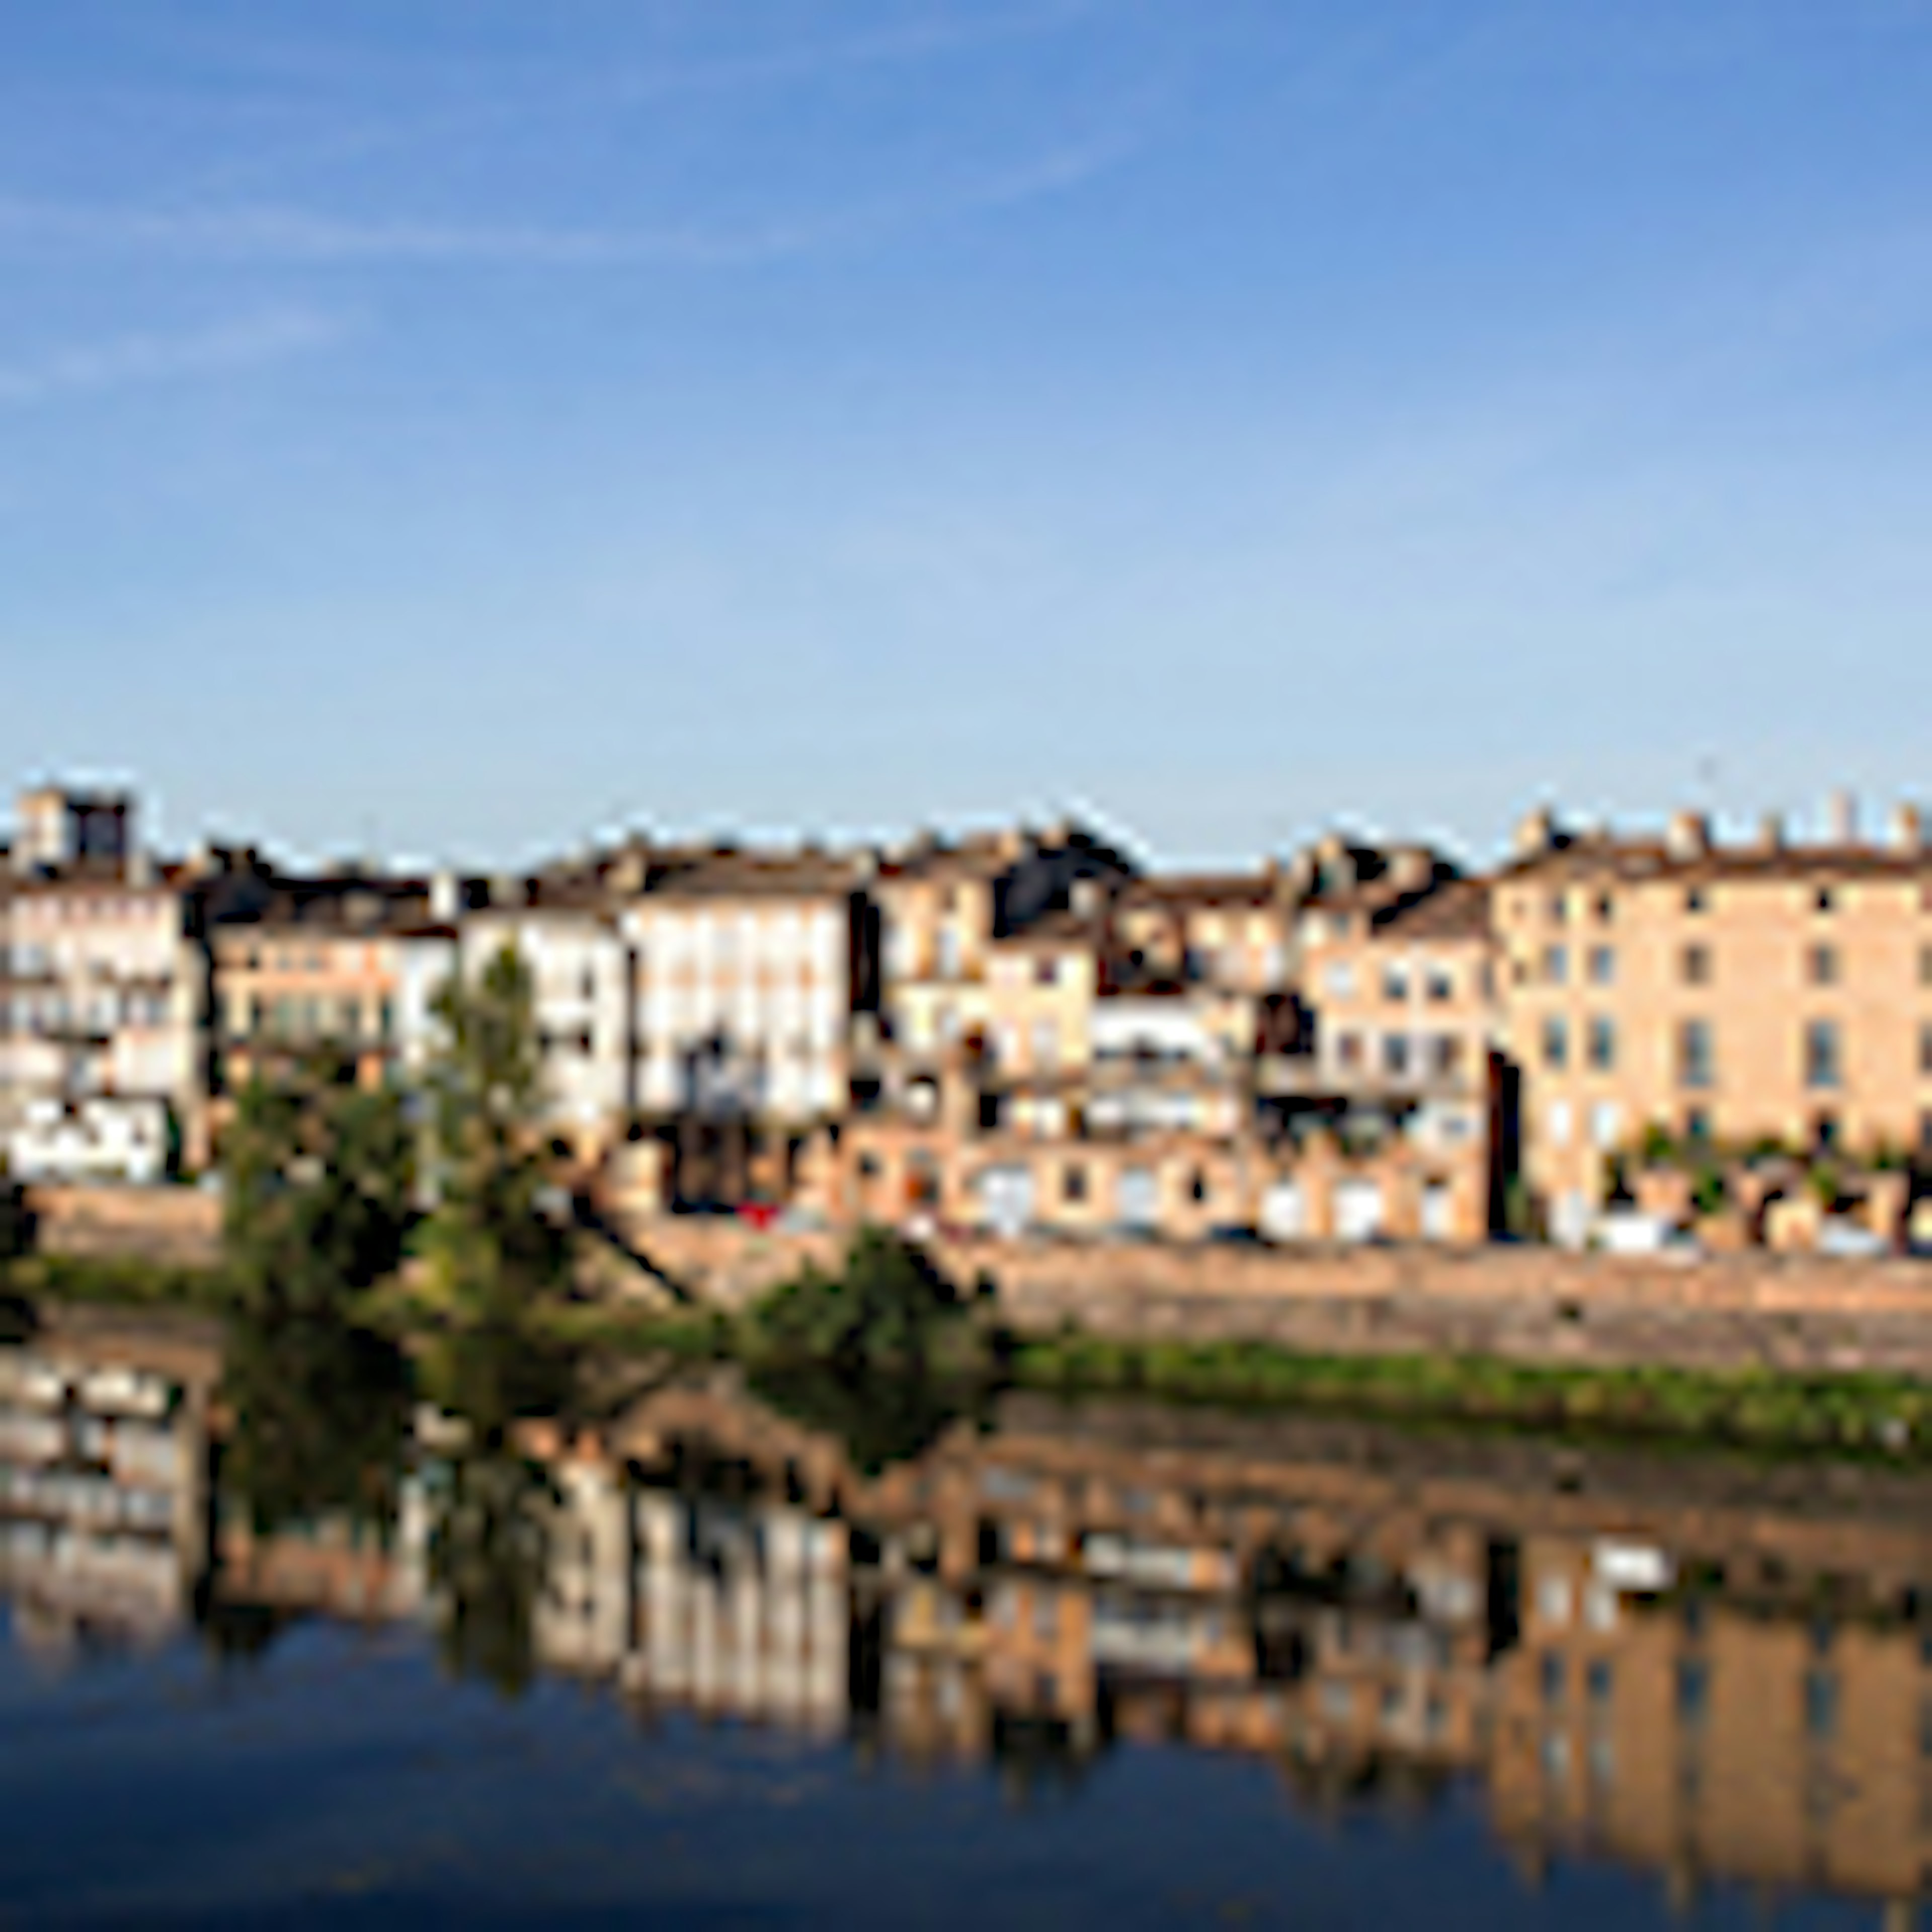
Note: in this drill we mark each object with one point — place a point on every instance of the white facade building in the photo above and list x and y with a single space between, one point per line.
743 1003
106 1001
580 974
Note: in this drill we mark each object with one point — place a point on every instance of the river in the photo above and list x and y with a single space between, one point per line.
691 1656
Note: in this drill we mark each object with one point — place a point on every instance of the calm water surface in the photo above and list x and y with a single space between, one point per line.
690 1658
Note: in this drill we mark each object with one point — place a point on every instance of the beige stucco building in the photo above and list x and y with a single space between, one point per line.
1722 993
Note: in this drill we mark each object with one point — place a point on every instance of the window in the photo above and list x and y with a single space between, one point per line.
1602 965
1554 1677
1697 1058
1925 1048
351 1019
1044 969
1395 1055
1822 1066
1555 1042
1045 1044
1555 964
1603 1044
1697 1125
1694 900
1446 1052
1197 1188
1339 979
1605 908
1073 1183
1440 985
1395 982
1693 1690
1925 1133
1824 901
1822 965
1925 965
1696 966
1348 1049
1821 1706
1558 910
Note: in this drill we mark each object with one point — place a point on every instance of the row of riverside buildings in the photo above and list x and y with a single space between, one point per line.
1023 1031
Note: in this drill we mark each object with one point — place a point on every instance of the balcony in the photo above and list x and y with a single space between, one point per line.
1307 1076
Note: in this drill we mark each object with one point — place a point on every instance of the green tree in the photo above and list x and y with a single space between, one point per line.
486 1248
316 1174
888 1313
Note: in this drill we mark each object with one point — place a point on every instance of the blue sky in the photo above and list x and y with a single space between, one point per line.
455 425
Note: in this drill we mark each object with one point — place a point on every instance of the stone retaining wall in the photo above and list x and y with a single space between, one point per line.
176 1227
1523 1304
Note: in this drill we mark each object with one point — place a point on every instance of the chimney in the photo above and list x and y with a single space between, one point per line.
1088 897
1908 832
1770 833
1841 818
445 898
1411 869
1689 836
1535 833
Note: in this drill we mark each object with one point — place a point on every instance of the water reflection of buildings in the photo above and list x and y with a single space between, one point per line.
104 1494
1703 1670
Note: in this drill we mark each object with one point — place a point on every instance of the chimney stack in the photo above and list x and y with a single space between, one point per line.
1908 831
1689 836
1771 832
1841 818
1411 869
1535 833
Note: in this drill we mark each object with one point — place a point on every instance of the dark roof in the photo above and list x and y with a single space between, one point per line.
1058 928
349 906
760 874
1455 909
1205 889
1597 855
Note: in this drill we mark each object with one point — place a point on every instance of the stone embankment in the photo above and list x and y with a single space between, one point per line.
1527 1304
174 1227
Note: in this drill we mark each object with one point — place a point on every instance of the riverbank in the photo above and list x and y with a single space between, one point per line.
1751 1359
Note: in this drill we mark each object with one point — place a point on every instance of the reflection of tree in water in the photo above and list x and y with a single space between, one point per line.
318 1412
491 1504
489 1550
878 1421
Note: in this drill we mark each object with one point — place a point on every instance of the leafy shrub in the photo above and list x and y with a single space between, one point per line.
889 1312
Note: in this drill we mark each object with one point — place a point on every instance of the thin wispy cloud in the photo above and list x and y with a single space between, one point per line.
304 236
143 358
481 102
